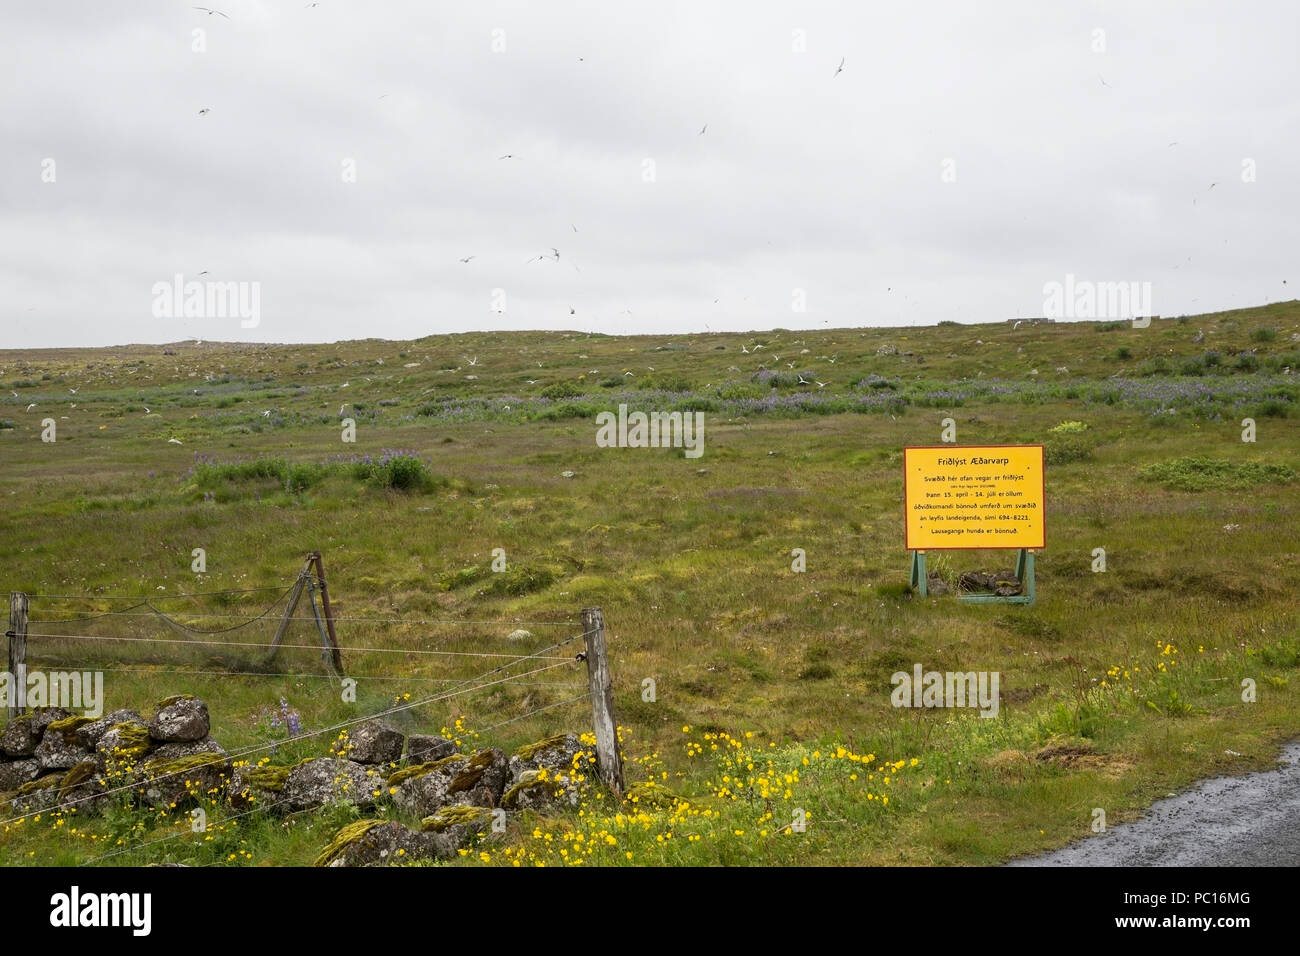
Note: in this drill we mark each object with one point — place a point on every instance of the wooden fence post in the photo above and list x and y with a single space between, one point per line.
335 656
294 597
18 652
608 756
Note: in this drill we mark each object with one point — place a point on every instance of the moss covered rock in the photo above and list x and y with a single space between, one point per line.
89 735
375 742
15 773
20 737
67 727
123 745
484 775
314 783
549 773
39 794
181 718
460 815
83 786
252 786
185 781
59 748
426 748
378 843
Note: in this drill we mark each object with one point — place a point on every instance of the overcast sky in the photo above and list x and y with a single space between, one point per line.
1057 136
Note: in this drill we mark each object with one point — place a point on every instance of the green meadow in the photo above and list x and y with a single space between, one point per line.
770 687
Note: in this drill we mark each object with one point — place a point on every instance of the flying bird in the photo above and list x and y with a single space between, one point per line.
31 406
507 156
821 384
467 258
175 441
702 129
1103 81
473 361
209 11
572 311
839 69
575 228
205 111
1212 185
267 413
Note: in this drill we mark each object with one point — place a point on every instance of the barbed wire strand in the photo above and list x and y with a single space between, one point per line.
142 597
333 677
250 645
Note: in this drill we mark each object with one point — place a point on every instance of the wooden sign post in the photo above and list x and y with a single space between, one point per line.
961 497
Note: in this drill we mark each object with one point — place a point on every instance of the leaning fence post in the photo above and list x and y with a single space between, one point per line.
608 757
17 635
335 657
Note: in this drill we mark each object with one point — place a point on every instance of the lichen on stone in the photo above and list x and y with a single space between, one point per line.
78 774
68 727
168 701
267 778
528 751
42 783
349 834
166 768
419 770
134 739
457 815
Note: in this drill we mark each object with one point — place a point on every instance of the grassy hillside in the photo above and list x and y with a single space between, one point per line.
691 561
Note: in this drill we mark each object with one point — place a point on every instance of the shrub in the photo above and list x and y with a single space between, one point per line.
1263 335
1247 362
1062 450
399 471
1200 474
1069 428
1123 352
563 389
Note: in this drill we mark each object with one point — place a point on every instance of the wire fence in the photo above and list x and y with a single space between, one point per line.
280 641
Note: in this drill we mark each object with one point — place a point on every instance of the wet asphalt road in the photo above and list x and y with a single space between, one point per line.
1252 820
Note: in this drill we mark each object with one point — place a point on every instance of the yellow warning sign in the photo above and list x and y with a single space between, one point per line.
973 496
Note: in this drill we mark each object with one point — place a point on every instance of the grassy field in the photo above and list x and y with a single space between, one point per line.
772 688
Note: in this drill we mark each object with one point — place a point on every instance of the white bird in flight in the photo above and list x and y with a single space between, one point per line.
209 11
31 406
839 69
473 361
